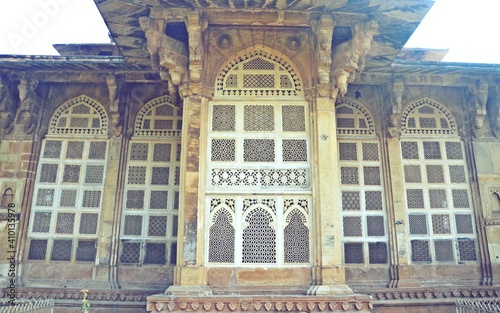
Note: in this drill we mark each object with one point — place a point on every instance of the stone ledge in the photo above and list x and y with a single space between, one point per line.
353 303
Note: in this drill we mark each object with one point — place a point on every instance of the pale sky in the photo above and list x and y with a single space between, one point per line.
469 29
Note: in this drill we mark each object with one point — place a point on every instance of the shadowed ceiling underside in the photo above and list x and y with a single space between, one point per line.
397 20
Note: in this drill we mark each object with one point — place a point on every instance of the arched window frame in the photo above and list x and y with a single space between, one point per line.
151 197
69 185
362 197
441 223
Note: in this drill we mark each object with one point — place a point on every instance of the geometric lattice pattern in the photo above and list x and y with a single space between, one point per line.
437 193
159 118
272 77
149 218
354 119
363 210
69 188
257 241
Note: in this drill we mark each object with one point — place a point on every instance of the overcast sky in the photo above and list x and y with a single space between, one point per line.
469 29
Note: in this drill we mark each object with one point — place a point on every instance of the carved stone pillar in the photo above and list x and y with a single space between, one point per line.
479 91
328 272
190 272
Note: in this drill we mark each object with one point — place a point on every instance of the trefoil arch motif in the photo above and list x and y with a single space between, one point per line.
427 117
353 118
258 73
159 117
79 116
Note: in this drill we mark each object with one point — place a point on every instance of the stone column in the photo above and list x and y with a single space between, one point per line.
329 273
190 273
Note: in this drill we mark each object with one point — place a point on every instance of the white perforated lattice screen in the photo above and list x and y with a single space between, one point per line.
257 146
254 231
159 117
427 117
440 215
361 195
353 118
79 116
68 197
149 222
258 73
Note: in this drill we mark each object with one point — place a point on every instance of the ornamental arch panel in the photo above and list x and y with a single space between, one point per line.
79 116
427 117
353 118
258 73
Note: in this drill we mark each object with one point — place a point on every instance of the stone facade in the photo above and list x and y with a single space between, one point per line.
250 156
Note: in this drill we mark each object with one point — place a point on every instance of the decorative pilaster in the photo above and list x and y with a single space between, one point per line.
114 106
396 91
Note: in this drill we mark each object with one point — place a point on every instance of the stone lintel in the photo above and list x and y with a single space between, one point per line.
297 303
188 291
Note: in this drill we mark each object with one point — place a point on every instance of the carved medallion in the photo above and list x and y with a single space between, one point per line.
294 43
224 41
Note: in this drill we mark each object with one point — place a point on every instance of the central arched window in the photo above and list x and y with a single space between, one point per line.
258 145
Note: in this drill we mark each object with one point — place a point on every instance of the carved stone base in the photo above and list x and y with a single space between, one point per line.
326 290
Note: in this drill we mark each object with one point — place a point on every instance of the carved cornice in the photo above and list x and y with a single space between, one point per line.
355 303
426 294
75 294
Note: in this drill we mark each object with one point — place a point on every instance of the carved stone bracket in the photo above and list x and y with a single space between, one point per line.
349 57
479 91
396 90
169 57
495 112
28 104
324 32
114 105
8 106
195 27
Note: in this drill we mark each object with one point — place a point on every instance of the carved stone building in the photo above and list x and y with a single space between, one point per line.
250 155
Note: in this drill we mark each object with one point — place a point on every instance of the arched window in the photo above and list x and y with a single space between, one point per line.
151 197
258 74
258 143
222 231
439 207
361 186
69 184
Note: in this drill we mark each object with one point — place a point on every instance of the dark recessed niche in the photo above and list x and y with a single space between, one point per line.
341 34
177 30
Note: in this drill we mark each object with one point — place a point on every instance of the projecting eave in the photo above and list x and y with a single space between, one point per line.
396 20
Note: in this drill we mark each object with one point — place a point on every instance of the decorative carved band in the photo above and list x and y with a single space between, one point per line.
253 304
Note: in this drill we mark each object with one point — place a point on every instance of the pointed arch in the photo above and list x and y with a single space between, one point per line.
79 116
258 73
159 117
353 118
221 248
296 232
428 117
